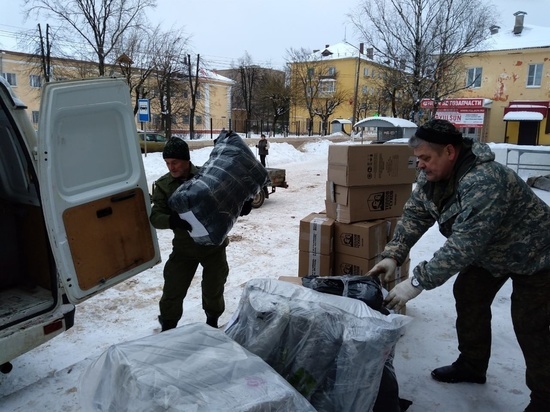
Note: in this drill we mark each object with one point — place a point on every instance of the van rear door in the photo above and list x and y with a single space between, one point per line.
93 185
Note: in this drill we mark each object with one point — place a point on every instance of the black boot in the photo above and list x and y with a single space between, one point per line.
456 373
212 321
167 324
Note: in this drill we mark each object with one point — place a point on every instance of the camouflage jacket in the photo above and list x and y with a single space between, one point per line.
489 215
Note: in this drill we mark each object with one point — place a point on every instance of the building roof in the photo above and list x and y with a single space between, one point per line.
381 121
530 37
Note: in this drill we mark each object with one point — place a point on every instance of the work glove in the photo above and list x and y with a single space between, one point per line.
247 207
385 268
178 223
401 294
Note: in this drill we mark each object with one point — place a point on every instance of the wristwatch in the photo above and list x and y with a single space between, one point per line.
415 282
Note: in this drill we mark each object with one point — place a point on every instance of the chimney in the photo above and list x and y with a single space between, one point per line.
494 29
370 53
327 46
518 26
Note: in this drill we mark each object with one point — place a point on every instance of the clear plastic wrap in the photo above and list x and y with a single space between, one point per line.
332 349
212 200
191 368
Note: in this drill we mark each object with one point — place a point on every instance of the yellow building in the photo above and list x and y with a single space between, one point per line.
509 80
342 72
213 112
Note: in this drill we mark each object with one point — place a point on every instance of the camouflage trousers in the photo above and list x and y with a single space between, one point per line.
474 291
179 272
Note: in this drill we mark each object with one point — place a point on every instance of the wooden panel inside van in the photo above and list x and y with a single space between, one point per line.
108 236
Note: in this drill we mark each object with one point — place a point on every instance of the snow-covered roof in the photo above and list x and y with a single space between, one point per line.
505 39
382 121
342 121
338 51
212 75
520 115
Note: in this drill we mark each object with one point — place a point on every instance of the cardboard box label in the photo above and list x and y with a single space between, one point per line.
310 264
362 239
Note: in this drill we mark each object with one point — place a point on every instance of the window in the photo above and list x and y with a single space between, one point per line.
310 72
198 119
535 75
474 77
365 89
331 71
327 87
11 78
185 119
35 114
365 72
186 94
35 80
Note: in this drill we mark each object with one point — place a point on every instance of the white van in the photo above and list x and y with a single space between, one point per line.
74 207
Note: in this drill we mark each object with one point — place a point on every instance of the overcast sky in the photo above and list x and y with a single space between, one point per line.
222 31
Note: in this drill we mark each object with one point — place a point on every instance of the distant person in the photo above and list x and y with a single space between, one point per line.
497 229
263 149
182 264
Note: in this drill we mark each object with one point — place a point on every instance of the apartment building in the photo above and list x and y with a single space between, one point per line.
213 112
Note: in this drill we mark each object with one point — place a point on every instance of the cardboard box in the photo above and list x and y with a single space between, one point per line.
401 274
352 265
362 239
310 264
371 164
359 203
316 232
291 279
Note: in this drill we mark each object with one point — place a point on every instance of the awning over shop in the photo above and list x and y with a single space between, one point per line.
523 115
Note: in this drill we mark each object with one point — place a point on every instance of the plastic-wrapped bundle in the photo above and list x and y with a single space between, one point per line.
191 368
365 288
212 200
332 349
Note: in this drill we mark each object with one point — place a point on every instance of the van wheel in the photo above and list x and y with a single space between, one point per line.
258 199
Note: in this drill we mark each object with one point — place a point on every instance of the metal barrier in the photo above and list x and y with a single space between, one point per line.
528 159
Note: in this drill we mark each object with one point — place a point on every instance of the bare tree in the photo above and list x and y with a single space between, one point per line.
247 85
274 96
325 105
100 23
193 85
426 39
306 80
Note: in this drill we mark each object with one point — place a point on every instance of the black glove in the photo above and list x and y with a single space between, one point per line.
178 223
247 207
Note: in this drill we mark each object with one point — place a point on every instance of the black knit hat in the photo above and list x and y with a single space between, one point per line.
176 148
439 131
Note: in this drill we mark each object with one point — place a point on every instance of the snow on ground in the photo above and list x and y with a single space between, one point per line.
265 244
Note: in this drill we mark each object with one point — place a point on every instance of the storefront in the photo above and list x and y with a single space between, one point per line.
527 122
468 114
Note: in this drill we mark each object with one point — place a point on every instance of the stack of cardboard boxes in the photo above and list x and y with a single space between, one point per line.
366 190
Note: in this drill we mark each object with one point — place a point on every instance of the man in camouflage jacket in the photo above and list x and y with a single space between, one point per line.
496 228
186 255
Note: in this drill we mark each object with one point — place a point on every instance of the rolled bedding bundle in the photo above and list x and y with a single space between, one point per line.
212 200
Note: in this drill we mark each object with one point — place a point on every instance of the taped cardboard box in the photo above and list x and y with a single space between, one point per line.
401 274
352 265
316 233
371 164
310 264
359 203
295 280
362 239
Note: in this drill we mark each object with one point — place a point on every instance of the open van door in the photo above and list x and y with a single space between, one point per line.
93 185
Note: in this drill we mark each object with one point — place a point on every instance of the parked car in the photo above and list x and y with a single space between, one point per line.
74 207
151 142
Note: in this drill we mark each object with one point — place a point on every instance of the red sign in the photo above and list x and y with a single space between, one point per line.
460 112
